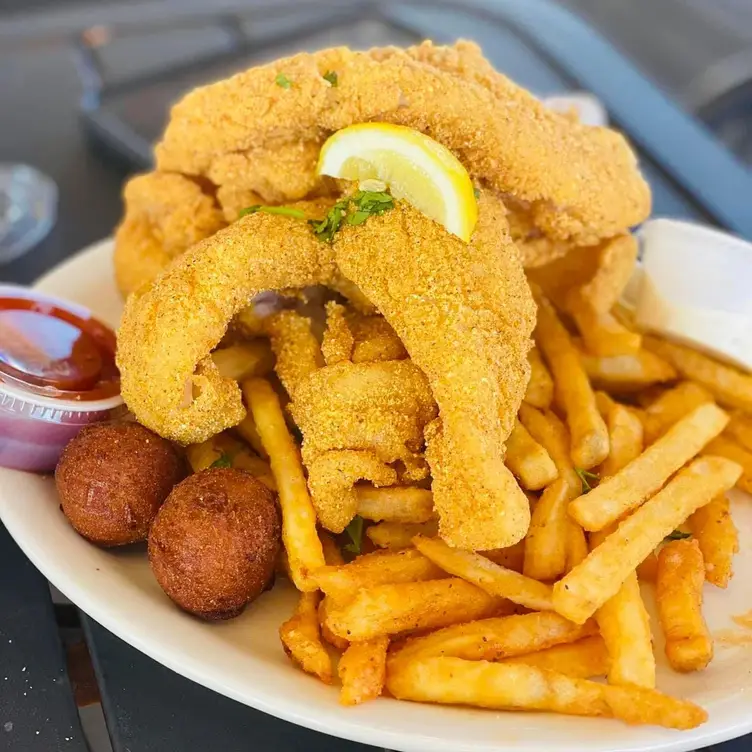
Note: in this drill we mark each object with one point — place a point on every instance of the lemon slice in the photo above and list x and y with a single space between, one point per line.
414 167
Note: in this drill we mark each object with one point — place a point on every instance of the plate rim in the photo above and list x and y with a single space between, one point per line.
276 706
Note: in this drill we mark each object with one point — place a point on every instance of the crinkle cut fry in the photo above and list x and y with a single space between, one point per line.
167 333
476 296
582 183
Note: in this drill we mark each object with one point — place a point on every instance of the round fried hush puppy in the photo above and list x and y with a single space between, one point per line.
113 477
214 544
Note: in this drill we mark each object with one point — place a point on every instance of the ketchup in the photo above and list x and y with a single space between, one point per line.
55 353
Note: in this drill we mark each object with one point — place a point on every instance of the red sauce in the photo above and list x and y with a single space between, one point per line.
53 352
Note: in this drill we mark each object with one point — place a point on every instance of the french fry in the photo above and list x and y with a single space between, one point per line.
731 387
671 407
625 435
716 534
627 373
528 460
722 446
495 638
601 333
406 606
588 431
480 571
540 388
625 627
584 659
378 568
577 546
245 360
678 595
249 433
590 584
325 606
204 455
362 669
332 554
301 639
642 477
242 458
740 429
394 503
512 557
299 533
502 686
550 433
396 535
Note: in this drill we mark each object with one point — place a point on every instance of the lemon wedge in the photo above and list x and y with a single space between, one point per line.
412 165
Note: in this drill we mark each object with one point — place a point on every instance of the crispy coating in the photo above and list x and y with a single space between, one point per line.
578 182
165 214
338 341
374 339
167 333
331 480
295 347
465 314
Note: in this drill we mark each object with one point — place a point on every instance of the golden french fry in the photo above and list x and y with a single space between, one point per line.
635 482
540 388
583 659
241 457
547 536
625 627
378 568
249 433
601 333
528 460
325 606
406 606
627 373
590 584
204 455
740 429
587 429
678 595
495 638
730 386
717 536
301 639
577 546
299 533
245 360
396 535
394 503
362 669
495 580
551 434
510 558
502 686
671 406
625 435
722 446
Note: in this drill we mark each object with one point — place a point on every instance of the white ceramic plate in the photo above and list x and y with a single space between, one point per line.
243 658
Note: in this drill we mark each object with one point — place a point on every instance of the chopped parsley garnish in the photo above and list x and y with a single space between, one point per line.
283 81
587 478
222 461
476 192
331 77
355 532
678 535
364 203
286 211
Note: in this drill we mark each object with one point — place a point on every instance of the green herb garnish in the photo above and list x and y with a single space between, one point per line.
355 532
678 535
331 77
286 211
365 204
476 192
587 478
222 461
283 81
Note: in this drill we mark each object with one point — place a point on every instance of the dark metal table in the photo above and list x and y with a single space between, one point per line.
148 707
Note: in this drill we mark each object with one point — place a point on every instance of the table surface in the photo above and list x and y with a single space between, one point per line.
148 707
